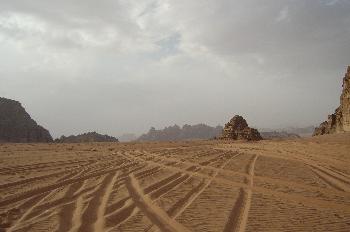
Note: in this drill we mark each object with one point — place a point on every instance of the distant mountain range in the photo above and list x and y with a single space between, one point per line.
85 138
278 135
300 131
187 132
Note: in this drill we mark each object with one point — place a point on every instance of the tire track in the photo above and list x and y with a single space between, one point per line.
33 204
72 173
30 210
100 222
331 180
51 187
72 199
47 210
179 207
76 217
332 173
68 212
93 216
21 168
238 218
187 163
28 180
192 197
125 208
332 177
43 212
304 200
153 212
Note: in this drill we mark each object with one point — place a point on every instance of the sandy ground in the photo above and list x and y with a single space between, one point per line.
290 185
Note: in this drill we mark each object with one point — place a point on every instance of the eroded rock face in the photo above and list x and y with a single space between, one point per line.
237 129
16 125
345 101
340 120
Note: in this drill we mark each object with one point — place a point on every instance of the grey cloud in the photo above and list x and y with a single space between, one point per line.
123 66
312 30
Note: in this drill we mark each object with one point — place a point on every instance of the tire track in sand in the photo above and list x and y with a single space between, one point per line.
69 212
37 212
153 212
30 210
180 206
332 180
198 191
124 209
93 216
54 186
238 217
34 202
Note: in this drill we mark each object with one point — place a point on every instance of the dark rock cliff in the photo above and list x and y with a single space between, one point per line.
16 125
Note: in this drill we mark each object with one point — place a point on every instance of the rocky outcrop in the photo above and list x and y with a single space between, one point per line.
345 101
176 133
86 138
340 120
237 129
16 125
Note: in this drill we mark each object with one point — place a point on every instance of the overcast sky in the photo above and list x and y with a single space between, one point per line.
117 66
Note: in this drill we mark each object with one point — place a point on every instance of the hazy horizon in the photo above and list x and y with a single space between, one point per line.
122 66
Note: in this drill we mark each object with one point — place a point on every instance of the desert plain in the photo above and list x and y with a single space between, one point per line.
283 185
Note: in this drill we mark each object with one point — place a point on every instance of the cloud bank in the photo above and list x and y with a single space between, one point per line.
124 66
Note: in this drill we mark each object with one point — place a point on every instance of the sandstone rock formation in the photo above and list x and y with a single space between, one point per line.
16 125
237 129
340 120
86 138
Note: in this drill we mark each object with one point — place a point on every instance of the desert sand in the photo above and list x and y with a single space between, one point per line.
287 185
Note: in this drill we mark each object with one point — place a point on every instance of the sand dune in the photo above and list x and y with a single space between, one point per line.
290 185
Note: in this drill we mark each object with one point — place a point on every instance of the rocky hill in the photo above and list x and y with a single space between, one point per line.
86 138
237 129
16 125
340 120
176 133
